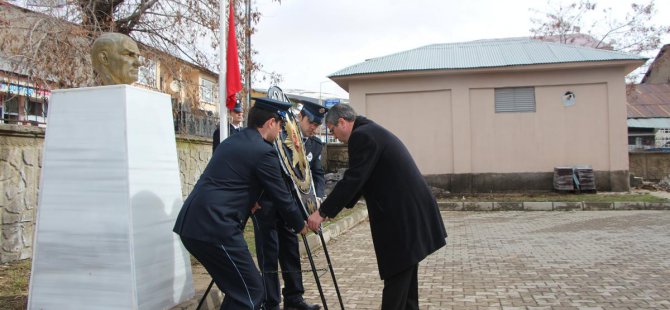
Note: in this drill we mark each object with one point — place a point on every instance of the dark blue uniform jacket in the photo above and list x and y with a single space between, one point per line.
313 148
242 167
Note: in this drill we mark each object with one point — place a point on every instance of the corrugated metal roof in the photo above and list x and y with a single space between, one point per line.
648 100
482 54
649 122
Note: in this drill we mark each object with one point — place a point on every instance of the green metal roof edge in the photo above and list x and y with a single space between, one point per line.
508 41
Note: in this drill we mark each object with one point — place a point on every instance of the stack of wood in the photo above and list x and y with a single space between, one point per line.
586 178
574 178
563 179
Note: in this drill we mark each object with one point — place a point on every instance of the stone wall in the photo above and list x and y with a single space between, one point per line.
334 156
194 154
20 163
651 166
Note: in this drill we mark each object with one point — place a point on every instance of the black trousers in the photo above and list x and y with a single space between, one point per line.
232 269
278 245
401 291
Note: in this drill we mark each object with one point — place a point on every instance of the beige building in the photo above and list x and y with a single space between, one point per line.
499 115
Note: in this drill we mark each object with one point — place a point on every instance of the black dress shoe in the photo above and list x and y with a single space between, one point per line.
300 305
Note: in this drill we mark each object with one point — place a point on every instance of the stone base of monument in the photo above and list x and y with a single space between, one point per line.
109 196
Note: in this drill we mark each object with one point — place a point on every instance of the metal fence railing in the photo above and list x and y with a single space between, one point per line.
185 122
195 124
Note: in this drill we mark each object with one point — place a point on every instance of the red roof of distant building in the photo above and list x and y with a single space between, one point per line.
648 100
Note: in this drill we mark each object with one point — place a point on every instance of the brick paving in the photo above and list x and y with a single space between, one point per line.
520 260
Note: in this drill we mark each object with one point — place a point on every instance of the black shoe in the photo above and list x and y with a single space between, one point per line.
300 305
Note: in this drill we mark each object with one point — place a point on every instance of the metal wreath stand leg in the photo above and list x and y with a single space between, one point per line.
202 300
330 267
316 275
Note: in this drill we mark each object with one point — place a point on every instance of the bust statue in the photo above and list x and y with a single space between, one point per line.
115 58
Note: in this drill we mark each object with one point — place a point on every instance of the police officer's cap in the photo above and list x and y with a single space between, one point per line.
238 106
314 112
276 106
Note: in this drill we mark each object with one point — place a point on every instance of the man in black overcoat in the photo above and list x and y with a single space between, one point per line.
211 220
405 221
275 243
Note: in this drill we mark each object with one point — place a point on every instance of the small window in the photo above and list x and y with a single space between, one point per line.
10 110
515 99
12 105
33 108
147 73
208 91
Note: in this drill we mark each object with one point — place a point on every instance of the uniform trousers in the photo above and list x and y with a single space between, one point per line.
277 243
233 270
401 291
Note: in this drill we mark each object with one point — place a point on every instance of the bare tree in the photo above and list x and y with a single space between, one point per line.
636 33
49 41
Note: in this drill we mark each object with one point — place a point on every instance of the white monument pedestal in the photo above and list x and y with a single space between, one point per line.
109 197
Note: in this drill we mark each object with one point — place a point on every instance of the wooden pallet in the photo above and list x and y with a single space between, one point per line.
563 179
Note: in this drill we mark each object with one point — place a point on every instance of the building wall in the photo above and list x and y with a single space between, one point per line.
449 124
424 131
20 164
651 166
659 72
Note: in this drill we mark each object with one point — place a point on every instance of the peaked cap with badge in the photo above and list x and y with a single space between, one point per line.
314 112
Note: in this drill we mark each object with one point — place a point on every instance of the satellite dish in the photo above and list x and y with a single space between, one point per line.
174 86
568 98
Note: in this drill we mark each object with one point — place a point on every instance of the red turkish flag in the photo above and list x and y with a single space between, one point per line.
233 78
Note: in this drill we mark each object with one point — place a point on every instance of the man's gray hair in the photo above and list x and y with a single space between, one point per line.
338 111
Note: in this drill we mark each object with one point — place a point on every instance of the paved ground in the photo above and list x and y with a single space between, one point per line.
522 260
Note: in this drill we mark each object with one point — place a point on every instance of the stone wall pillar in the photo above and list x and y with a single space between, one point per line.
20 163
194 154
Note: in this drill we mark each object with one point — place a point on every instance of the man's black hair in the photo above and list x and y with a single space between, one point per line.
258 117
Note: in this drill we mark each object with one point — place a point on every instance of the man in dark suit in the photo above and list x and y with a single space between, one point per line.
234 124
405 221
211 220
276 242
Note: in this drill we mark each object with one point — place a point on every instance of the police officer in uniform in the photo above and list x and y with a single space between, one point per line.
311 118
211 220
275 241
234 125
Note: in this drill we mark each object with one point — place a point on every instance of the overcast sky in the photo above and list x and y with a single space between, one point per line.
307 40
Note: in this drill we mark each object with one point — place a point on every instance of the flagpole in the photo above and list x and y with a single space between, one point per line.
247 61
223 44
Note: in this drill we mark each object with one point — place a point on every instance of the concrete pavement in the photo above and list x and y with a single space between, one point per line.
521 260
